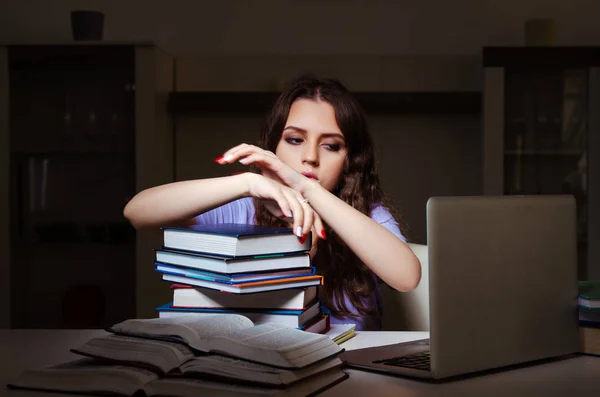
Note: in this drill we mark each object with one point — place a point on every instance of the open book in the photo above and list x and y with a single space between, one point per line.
164 358
88 376
155 355
236 336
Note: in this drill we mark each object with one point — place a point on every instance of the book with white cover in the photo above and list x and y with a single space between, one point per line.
284 299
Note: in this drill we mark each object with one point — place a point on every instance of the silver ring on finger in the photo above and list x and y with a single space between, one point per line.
304 201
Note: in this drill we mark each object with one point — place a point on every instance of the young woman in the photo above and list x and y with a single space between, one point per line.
316 172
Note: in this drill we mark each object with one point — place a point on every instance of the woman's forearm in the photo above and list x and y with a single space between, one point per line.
378 248
178 202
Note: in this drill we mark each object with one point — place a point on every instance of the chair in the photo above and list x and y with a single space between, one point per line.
408 311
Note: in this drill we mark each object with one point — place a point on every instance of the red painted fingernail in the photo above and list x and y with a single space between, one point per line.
218 159
301 239
323 234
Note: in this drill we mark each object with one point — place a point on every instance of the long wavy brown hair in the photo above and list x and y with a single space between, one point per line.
344 273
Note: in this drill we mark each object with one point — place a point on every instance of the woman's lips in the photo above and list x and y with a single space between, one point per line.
310 175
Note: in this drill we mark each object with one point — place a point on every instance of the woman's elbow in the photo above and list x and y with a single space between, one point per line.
416 277
131 214
412 278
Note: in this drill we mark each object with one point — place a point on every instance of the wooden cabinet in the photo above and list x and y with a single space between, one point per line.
542 132
85 127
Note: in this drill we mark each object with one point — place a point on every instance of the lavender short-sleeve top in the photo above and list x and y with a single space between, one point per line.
243 211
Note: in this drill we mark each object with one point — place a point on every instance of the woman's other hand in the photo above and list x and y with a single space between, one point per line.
270 165
285 203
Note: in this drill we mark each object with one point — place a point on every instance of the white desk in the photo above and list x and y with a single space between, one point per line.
580 376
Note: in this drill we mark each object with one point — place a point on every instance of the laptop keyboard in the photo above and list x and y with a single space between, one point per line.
417 360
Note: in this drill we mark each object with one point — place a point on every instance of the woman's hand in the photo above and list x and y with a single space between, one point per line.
269 164
285 203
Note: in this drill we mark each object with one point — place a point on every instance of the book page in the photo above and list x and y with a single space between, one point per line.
188 327
129 349
221 364
273 337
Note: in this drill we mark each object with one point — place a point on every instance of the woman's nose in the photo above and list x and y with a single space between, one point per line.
310 155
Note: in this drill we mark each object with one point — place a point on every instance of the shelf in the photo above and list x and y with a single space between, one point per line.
540 58
71 247
543 153
373 102
66 57
73 153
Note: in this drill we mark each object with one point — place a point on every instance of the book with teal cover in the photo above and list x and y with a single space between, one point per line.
589 289
589 295
165 268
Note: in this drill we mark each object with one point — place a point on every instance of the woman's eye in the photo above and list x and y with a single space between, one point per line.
293 141
334 147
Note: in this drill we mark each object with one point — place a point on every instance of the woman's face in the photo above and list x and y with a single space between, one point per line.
312 143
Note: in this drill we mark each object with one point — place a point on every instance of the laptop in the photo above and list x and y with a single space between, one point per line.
502 288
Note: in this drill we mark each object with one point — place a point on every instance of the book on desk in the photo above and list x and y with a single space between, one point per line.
93 377
198 354
588 302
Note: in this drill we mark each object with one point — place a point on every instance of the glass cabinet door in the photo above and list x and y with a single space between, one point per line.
546 137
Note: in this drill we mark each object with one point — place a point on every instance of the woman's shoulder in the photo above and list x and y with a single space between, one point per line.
236 211
382 215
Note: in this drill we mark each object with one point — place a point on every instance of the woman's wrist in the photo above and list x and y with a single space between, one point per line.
309 187
246 179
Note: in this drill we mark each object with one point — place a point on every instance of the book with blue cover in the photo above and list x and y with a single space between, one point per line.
165 268
230 265
234 239
290 318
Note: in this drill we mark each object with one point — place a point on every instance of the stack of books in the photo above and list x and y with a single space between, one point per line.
589 316
260 272
192 356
